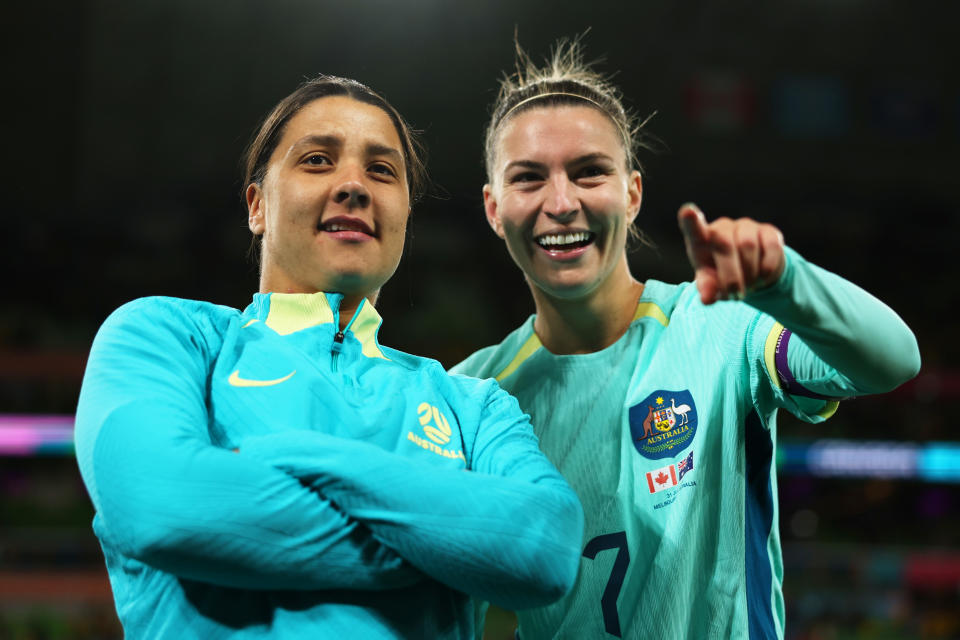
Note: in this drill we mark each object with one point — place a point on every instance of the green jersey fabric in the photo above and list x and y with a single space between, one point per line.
668 436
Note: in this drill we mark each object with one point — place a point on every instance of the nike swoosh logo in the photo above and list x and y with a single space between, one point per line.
236 381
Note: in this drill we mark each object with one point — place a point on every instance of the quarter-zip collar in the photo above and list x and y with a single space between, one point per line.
288 313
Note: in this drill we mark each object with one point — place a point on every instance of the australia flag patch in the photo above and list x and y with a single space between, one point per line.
663 424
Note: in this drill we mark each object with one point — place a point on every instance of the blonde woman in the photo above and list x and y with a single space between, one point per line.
658 401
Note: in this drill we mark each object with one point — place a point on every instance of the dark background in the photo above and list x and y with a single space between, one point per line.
838 121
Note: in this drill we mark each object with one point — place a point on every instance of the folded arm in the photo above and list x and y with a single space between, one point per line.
508 531
166 496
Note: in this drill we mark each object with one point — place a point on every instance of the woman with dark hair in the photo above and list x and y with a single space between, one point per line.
656 401
276 472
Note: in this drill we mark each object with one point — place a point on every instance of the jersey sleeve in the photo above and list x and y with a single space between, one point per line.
508 530
821 339
166 496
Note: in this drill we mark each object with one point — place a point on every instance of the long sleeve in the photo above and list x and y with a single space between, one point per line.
508 531
165 496
869 348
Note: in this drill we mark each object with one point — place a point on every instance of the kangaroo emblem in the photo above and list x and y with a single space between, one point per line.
647 424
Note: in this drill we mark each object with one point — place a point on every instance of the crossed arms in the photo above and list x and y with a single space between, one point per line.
303 509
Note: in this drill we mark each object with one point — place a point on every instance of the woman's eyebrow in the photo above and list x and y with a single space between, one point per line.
591 157
584 159
523 164
319 140
336 141
377 149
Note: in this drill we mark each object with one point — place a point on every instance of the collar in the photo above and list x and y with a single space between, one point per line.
645 309
288 313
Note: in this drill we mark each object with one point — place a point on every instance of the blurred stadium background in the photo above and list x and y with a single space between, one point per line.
838 120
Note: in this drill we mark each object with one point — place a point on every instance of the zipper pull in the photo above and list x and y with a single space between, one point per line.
336 347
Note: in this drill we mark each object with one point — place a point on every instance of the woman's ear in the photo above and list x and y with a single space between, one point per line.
490 208
255 209
634 195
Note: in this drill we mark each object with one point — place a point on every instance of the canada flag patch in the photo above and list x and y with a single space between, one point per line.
662 478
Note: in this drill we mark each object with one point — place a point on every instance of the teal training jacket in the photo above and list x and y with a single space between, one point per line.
262 474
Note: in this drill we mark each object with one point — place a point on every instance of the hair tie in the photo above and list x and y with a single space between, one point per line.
619 127
547 95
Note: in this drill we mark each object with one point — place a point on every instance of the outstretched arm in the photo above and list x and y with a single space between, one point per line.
508 531
849 329
166 496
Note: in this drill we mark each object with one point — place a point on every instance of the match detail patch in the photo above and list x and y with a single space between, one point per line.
670 475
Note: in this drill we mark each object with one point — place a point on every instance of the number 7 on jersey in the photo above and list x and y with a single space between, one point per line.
608 601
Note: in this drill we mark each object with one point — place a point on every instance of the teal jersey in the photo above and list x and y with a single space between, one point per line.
668 438
263 474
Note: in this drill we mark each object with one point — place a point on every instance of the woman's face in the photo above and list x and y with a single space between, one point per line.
334 204
562 198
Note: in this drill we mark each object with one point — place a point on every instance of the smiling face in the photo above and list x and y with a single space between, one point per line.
334 203
562 199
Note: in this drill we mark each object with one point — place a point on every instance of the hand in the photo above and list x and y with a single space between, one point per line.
730 258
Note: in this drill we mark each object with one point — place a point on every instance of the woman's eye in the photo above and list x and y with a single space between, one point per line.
526 176
317 160
383 169
592 171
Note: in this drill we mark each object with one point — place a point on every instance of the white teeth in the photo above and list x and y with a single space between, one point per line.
339 227
555 239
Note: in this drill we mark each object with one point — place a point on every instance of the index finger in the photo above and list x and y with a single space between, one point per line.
693 226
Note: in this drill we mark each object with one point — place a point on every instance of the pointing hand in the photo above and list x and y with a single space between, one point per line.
730 258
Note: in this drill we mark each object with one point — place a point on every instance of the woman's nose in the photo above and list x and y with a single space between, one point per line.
353 195
558 202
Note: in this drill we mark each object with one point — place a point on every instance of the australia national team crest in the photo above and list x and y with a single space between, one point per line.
663 424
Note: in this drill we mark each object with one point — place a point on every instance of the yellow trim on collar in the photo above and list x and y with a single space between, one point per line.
291 312
644 310
650 310
529 347
365 327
